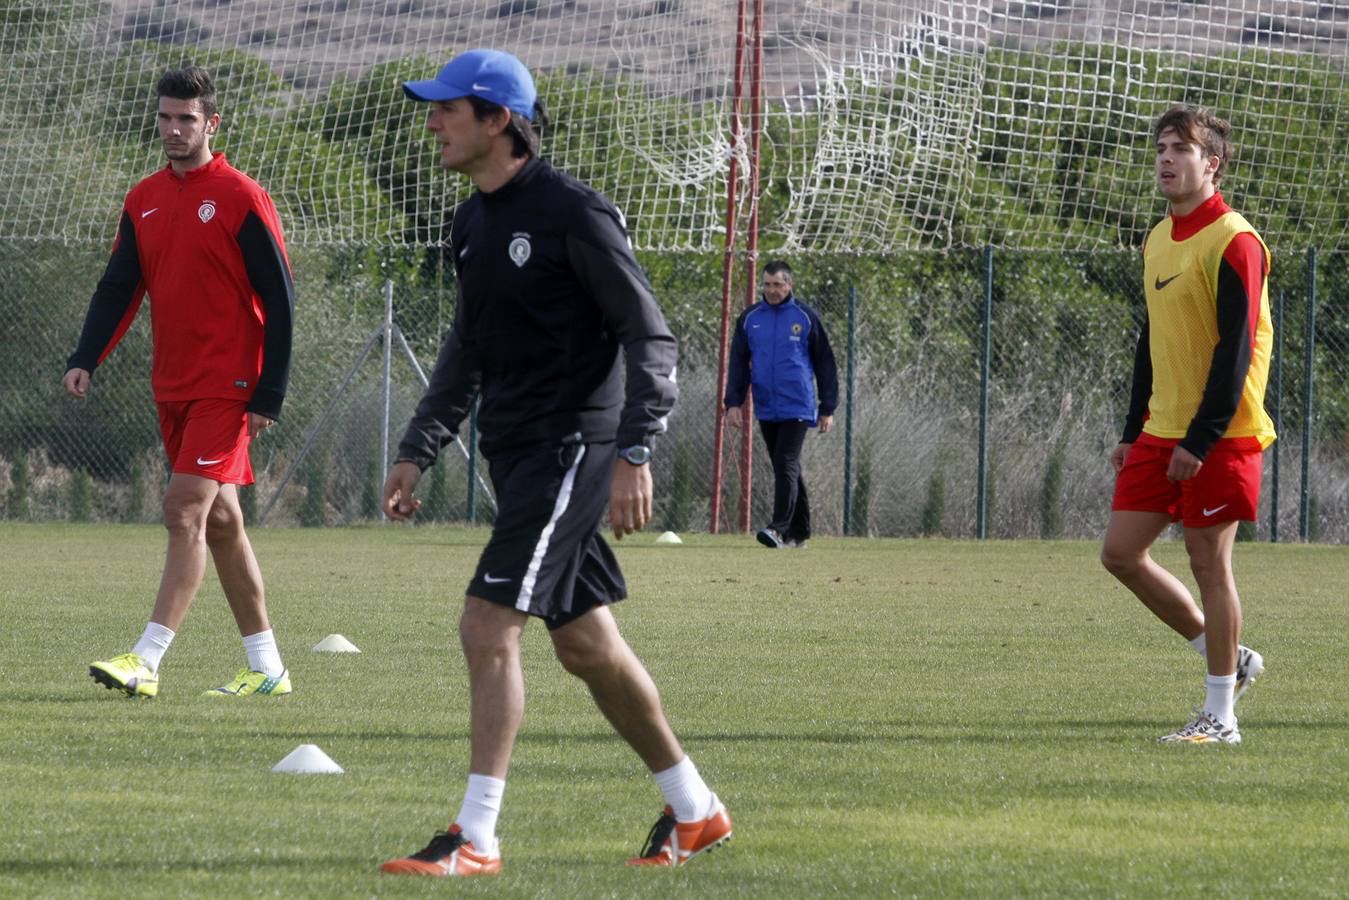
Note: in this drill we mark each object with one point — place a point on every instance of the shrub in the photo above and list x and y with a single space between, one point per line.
436 502
16 503
370 491
81 496
1051 497
248 502
681 477
990 497
861 491
312 513
934 510
135 498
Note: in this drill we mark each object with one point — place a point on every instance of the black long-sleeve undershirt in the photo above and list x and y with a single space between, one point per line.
271 281
1231 362
112 301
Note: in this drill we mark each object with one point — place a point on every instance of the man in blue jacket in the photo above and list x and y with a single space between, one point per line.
780 349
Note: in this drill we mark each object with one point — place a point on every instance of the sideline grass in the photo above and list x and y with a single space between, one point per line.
882 717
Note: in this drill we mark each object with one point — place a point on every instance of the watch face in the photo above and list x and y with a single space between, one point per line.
636 455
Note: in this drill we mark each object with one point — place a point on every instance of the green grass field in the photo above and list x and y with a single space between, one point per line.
924 718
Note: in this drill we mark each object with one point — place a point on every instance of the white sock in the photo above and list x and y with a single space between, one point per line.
1219 702
154 641
1200 644
685 791
478 816
263 656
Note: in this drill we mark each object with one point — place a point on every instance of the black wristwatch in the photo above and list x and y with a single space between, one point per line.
637 454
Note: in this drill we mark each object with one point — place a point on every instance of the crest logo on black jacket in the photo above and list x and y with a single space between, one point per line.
520 249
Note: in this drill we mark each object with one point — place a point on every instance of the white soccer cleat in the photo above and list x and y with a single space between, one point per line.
1204 729
1250 666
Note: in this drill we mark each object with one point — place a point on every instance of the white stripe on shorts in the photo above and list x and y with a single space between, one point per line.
559 507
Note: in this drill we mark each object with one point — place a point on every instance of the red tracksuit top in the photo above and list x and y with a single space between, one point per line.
207 248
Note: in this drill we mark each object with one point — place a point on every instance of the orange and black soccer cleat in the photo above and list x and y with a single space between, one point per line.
447 854
673 843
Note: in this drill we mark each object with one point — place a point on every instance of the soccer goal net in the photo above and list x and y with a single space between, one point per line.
888 126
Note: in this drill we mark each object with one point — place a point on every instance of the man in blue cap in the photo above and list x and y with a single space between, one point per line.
557 330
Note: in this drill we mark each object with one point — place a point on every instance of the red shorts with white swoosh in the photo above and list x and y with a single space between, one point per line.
1227 488
207 438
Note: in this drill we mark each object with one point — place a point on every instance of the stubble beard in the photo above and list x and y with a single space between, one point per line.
187 152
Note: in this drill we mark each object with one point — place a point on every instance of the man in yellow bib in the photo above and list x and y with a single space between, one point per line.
1196 428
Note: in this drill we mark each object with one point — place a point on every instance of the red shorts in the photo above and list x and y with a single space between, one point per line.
208 438
1227 488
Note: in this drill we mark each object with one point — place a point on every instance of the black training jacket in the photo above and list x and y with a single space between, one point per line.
549 292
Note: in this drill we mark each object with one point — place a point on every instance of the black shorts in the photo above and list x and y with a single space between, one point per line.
546 556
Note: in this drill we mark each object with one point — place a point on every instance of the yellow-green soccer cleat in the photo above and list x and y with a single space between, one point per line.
127 672
249 682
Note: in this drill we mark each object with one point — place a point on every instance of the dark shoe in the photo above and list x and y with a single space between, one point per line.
770 539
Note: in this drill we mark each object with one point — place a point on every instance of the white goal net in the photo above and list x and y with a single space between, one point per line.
889 126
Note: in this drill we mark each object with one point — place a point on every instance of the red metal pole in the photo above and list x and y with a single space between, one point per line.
728 268
752 246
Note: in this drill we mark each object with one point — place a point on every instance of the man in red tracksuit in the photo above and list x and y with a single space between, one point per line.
203 240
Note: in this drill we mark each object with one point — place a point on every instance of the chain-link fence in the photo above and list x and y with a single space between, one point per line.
982 394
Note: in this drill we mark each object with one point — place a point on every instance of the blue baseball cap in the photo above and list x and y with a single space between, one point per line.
493 75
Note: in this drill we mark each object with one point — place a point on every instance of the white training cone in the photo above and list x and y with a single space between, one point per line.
308 759
669 537
335 643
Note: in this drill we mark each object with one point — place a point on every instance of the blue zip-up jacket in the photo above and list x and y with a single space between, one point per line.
783 352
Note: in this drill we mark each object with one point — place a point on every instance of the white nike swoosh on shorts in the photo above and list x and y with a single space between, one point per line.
490 580
1216 510
209 462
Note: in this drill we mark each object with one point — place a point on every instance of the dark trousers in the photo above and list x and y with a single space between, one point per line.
791 506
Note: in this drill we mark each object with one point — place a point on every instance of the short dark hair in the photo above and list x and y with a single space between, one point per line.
778 267
525 138
1201 127
191 83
